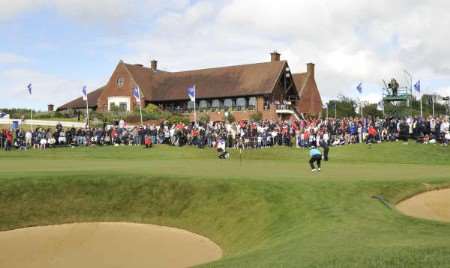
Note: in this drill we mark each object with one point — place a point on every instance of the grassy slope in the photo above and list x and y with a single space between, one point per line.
270 211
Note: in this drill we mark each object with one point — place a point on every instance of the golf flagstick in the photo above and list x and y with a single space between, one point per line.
240 155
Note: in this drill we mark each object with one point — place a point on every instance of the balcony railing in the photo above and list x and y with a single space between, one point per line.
211 109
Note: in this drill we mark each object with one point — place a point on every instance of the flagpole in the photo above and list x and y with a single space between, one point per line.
195 114
432 99
140 110
31 120
421 110
87 112
360 107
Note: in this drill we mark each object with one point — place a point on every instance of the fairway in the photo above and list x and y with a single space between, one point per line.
268 210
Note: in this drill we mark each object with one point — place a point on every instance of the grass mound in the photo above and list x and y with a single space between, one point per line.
269 211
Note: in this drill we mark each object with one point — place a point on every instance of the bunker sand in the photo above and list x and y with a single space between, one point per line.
433 205
103 245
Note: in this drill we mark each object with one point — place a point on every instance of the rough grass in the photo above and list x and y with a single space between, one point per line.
268 211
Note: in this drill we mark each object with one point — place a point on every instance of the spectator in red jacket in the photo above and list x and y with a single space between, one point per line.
372 133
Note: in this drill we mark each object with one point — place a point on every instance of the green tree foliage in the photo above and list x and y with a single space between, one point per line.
204 118
256 117
371 110
151 109
344 106
178 118
230 118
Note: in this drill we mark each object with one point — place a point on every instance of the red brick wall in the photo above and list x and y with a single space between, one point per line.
112 89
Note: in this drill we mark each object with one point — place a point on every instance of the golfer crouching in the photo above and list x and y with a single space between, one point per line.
221 149
316 156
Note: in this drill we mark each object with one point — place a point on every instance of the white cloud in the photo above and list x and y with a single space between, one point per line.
47 89
113 12
11 58
349 40
9 9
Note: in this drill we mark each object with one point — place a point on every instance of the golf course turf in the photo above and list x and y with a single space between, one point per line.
268 210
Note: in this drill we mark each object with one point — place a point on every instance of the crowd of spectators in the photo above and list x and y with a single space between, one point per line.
303 133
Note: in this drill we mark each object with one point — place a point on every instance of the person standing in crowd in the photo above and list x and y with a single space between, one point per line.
372 133
326 149
316 156
9 140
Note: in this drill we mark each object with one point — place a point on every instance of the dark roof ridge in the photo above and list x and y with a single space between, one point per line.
229 66
203 69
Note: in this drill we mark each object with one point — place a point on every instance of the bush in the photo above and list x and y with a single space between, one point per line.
230 118
178 118
150 109
204 118
256 117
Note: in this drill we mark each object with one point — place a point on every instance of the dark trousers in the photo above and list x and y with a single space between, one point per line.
222 153
325 153
317 159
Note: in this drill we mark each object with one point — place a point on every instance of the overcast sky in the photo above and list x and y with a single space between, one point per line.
60 45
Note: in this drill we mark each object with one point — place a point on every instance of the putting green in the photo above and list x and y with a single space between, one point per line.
269 210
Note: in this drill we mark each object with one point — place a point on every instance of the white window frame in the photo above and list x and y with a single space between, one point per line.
117 100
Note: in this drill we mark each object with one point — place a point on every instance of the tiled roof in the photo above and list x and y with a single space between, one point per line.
79 103
240 80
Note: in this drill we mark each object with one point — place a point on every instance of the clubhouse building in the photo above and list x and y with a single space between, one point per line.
268 88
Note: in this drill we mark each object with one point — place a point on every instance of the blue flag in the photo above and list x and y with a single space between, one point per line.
359 88
137 94
191 93
84 93
417 86
29 88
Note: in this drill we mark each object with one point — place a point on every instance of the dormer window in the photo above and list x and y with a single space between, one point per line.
120 82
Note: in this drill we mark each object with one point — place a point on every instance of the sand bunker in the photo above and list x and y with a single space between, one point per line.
433 205
104 245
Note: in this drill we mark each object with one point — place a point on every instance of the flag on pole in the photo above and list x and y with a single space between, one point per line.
359 88
137 94
84 93
29 88
191 93
417 86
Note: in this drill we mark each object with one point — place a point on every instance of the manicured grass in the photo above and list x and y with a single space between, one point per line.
267 210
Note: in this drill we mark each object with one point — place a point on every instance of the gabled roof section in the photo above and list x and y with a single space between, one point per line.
231 81
300 81
79 103
144 77
310 101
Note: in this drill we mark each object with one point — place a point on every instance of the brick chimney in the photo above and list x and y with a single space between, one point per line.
310 69
274 56
51 107
154 65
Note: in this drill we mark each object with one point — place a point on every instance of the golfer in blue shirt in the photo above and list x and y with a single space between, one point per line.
316 156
